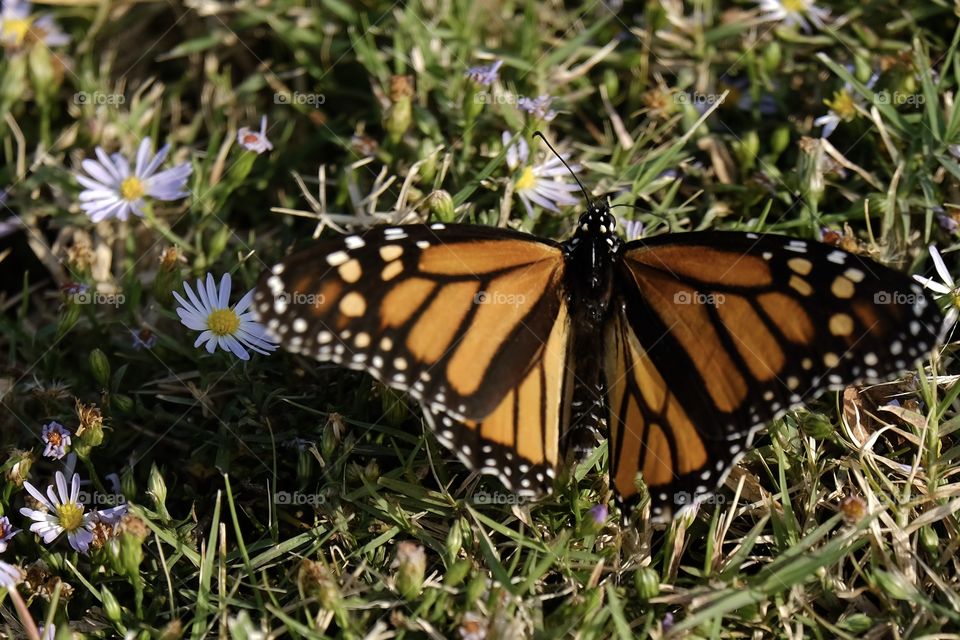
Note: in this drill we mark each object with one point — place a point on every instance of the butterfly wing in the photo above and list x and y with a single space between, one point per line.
468 320
714 334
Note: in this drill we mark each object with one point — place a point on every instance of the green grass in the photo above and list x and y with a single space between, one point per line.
842 522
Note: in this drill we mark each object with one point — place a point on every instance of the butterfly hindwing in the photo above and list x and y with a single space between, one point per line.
466 319
715 334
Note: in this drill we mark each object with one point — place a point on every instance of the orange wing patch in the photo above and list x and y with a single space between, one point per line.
485 256
435 330
499 312
403 300
707 265
756 344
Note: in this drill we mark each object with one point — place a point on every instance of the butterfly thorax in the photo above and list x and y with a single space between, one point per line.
590 256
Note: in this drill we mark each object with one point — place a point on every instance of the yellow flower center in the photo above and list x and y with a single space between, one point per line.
54 438
223 322
15 29
526 180
795 6
70 515
843 105
131 189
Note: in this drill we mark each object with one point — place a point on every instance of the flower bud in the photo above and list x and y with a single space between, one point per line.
457 572
316 581
647 583
441 205
411 565
454 539
111 607
817 427
133 531
400 113
168 275
894 585
100 367
780 140
20 463
930 540
330 438
772 56
157 489
68 318
854 509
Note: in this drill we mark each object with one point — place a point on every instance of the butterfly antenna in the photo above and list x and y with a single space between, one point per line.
537 134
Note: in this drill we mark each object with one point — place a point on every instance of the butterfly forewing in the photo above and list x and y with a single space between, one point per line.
714 334
469 320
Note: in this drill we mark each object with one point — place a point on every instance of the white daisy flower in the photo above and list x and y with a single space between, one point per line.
18 26
6 532
61 512
10 575
795 13
539 184
231 328
946 288
843 106
57 439
112 191
255 140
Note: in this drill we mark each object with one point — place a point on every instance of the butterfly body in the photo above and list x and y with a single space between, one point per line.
520 349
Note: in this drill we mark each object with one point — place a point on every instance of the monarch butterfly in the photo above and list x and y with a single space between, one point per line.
519 348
